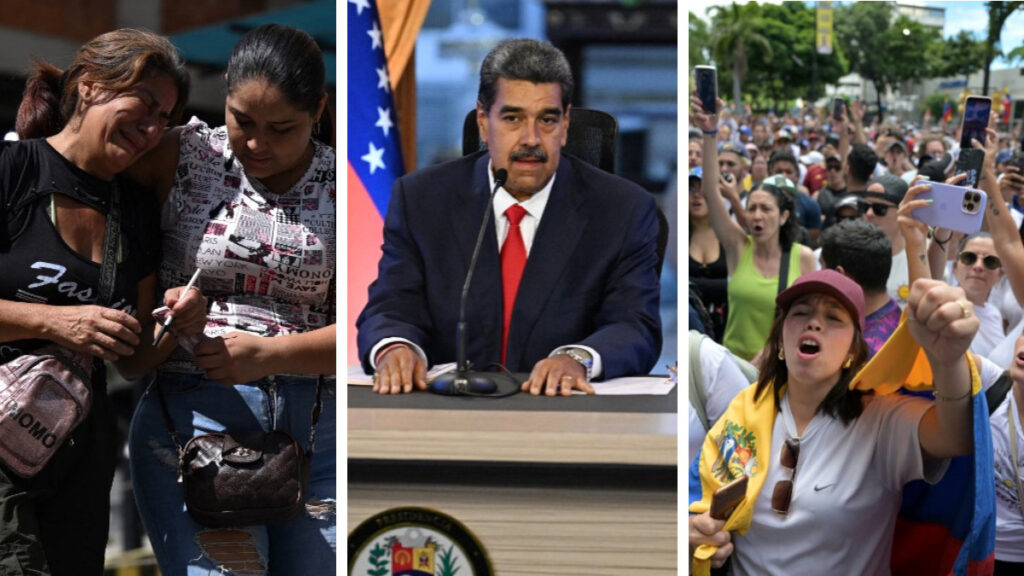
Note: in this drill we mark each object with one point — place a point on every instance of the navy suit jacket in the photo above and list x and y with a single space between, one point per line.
591 276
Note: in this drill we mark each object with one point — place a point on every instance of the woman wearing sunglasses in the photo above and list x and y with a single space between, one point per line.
978 269
827 461
754 261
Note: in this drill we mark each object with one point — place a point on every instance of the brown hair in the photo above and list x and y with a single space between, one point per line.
841 402
115 61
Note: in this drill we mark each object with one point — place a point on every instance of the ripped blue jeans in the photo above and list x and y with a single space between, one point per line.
306 545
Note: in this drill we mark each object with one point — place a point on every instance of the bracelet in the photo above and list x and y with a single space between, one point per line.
710 132
942 243
386 349
949 399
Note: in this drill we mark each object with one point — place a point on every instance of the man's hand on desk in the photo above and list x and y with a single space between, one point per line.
557 375
399 368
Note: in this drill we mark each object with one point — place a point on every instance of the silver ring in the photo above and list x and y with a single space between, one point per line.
567 377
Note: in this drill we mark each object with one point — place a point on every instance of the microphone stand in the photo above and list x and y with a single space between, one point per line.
462 381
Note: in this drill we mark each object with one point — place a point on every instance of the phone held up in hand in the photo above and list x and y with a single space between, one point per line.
706 78
975 120
957 208
727 498
838 107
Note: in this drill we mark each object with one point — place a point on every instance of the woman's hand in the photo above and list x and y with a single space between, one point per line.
102 332
942 320
706 530
234 358
189 310
707 121
914 231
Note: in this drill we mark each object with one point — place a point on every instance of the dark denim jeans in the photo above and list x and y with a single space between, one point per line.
306 545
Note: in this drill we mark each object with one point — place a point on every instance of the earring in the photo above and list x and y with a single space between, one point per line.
848 363
782 355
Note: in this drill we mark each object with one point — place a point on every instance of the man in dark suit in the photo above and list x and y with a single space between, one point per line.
572 292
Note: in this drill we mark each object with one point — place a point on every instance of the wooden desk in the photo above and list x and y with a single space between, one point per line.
570 487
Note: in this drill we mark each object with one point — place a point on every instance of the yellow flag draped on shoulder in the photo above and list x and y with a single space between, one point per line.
740 442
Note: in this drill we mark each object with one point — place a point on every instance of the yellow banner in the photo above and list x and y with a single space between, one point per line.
823 34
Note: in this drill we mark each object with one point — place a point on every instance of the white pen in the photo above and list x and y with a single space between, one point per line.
170 317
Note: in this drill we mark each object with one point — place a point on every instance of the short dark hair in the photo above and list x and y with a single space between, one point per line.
782 155
862 249
841 402
862 161
524 59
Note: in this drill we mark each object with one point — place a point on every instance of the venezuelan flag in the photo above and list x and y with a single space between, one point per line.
374 154
948 527
947 112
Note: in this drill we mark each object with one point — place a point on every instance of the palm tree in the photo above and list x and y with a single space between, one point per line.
733 30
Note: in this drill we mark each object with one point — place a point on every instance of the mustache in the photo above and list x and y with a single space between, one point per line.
529 152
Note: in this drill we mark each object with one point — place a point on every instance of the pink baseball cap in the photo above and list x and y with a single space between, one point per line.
830 282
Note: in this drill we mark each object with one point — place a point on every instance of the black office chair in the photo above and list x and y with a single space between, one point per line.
592 135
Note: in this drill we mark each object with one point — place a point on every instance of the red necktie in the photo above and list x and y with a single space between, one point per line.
513 260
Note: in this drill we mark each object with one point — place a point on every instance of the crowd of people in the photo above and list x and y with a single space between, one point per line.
806 259
247 208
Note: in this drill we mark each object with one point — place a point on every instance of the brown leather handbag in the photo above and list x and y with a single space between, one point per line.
246 478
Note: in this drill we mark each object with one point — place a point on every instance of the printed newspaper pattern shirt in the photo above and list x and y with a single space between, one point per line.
267 261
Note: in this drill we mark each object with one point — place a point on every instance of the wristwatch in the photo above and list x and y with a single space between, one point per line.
580 355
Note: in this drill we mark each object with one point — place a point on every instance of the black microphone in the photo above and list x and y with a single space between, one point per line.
463 381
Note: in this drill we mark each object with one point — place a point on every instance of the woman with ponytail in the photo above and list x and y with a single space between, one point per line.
80 129
251 205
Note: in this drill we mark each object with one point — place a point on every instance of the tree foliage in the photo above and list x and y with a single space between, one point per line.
998 12
884 50
766 53
960 55
734 36
698 40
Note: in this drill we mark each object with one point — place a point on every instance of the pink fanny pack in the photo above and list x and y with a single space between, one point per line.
44 396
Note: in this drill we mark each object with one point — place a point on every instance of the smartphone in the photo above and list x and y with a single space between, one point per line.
975 120
706 78
969 162
838 106
958 208
1018 160
727 498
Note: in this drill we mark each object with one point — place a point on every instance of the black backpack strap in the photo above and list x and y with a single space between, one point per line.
997 392
783 273
111 243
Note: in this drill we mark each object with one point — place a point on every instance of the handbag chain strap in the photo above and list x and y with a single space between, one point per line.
314 417
111 243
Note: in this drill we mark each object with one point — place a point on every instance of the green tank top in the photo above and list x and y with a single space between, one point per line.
752 303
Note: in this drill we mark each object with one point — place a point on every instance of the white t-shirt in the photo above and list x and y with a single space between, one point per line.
722 381
1003 298
1002 354
846 492
990 332
1009 518
898 285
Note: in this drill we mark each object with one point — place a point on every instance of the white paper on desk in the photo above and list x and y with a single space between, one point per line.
356 377
634 386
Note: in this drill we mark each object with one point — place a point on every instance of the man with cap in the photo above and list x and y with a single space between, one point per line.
834 187
808 213
897 160
879 204
734 161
